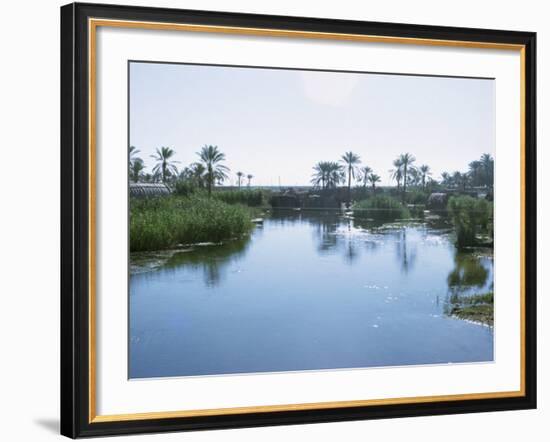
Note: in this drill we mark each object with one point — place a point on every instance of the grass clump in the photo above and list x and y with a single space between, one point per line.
381 207
246 197
477 308
471 217
167 222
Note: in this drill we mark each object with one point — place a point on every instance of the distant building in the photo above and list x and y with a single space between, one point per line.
148 189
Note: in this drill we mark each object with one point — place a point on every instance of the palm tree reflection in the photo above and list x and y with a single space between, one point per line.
351 251
406 255
325 231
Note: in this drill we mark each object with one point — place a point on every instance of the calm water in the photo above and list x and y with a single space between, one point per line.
307 291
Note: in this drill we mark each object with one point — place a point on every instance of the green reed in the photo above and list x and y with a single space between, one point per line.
169 222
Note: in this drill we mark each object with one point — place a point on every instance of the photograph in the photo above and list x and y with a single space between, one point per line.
275 219
286 219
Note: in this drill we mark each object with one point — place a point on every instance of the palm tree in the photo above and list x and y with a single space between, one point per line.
132 158
413 177
460 180
136 169
397 172
424 173
186 173
156 177
211 157
488 164
365 171
239 177
320 174
328 174
373 178
431 183
406 160
351 160
249 178
164 167
335 174
476 172
132 152
197 172
445 178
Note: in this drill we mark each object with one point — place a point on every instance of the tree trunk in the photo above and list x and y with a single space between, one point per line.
404 182
349 184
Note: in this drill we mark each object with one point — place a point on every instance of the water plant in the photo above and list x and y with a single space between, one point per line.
251 198
471 217
381 207
247 197
168 222
478 308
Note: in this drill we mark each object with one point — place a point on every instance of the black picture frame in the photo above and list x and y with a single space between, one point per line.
75 219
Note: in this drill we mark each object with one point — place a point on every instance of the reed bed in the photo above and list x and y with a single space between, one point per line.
170 222
381 207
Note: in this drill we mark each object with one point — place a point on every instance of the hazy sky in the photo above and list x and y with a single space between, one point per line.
275 123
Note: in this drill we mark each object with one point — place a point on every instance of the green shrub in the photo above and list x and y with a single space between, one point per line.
184 188
416 196
381 207
166 222
470 216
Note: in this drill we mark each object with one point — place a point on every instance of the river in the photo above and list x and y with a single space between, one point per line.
306 291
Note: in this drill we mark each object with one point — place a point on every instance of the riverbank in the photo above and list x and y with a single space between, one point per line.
476 308
171 222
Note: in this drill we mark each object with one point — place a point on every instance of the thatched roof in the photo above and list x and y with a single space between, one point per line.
148 189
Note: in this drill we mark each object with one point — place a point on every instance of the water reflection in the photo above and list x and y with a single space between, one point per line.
405 253
213 260
469 273
337 233
324 231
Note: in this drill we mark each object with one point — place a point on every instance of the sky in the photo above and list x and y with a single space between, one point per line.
277 124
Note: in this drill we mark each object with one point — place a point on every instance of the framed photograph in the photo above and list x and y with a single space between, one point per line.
275 220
